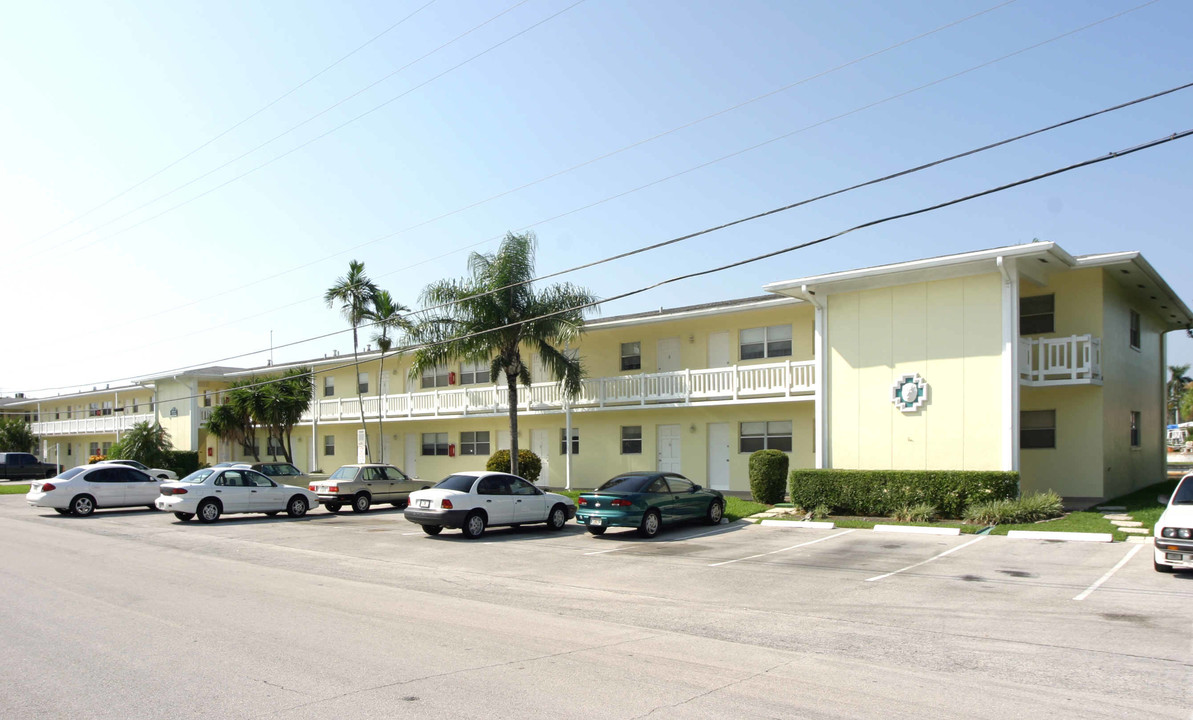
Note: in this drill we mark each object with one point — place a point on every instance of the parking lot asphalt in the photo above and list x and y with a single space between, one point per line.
134 614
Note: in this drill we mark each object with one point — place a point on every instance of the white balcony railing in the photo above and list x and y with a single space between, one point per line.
682 386
1073 360
103 424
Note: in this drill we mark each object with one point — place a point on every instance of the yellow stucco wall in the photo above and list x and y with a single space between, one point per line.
948 331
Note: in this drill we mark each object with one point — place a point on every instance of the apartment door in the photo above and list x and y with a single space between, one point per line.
411 458
718 350
668 360
503 439
540 444
668 448
718 456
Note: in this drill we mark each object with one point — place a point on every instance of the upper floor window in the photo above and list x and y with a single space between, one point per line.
362 382
474 373
93 411
55 413
765 342
631 356
1037 429
107 407
329 386
435 377
1135 339
206 398
1036 314
135 405
1135 420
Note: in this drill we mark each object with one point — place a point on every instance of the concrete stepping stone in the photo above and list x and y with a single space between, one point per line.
1127 523
1117 516
1139 539
1135 531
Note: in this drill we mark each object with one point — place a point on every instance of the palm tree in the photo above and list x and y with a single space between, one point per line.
386 315
354 292
228 424
145 443
494 315
1177 382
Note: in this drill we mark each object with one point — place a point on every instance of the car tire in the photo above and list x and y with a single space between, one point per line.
361 503
557 518
152 507
716 511
652 522
1161 568
184 517
272 513
432 529
400 504
596 530
208 511
82 505
297 507
332 508
62 511
474 525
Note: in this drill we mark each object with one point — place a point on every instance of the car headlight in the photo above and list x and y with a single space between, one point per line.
1168 532
1184 533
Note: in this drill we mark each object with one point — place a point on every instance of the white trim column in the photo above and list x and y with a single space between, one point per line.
1010 364
820 394
314 425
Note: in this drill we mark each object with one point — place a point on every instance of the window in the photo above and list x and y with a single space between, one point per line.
107 407
329 386
1135 339
775 435
474 373
55 413
1036 314
631 356
435 443
274 447
518 486
631 440
1135 418
68 449
394 474
563 449
94 449
329 444
135 405
362 382
1037 429
474 443
494 485
251 448
107 448
767 342
679 484
435 377
206 398
93 410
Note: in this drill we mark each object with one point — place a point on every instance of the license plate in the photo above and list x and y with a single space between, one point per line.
595 521
424 503
1173 556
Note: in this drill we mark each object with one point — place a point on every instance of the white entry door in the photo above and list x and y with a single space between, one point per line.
668 355
718 349
718 456
411 458
503 439
540 444
668 448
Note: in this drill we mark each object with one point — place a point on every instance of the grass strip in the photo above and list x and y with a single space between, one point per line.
13 489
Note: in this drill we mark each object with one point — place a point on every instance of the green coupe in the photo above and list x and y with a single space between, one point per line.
647 501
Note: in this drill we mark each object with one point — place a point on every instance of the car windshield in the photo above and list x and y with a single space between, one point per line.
628 483
463 483
344 473
1184 493
67 475
198 476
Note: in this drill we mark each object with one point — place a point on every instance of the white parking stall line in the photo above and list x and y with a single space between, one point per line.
689 537
772 552
419 532
950 551
1126 558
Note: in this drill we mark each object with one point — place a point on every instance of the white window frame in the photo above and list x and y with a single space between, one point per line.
472 444
772 433
625 440
438 443
471 373
362 382
636 356
771 341
329 386
575 441
434 377
329 445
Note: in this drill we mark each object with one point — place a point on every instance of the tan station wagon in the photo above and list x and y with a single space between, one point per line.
362 485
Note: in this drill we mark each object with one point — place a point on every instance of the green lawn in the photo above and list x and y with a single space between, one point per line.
8 489
1084 522
1141 505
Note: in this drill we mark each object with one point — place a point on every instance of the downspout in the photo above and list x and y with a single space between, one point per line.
819 356
1010 364
314 426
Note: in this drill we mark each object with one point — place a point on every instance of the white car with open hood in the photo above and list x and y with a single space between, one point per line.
473 501
1174 530
211 492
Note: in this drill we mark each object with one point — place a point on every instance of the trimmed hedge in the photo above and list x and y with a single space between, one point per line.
529 465
881 492
768 469
182 462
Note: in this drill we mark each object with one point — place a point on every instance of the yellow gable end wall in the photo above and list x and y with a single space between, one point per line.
948 331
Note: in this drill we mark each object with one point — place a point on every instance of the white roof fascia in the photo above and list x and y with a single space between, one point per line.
688 314
1184 316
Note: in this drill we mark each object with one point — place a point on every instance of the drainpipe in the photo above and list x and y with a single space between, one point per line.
567 419
1010 364
314 426
819 355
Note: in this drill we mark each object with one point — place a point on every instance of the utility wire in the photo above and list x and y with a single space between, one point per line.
756 258
250 116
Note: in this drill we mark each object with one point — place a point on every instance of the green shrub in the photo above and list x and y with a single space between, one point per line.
881 492
1027 509
820 512
768 469
1040 506
920 512
529 465
990 512
182 462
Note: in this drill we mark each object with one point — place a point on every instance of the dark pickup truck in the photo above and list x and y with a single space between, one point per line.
24 466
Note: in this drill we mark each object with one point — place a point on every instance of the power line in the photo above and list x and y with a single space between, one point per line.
756 258
248 117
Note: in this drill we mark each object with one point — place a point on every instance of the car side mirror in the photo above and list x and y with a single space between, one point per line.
694 488
1162 499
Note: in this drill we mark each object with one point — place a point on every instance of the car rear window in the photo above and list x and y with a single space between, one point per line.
344 473
198 476
628 483
71 473
463 483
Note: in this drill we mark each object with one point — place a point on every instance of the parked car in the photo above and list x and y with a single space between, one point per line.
647 501
1174 530
362 485
80 490
472 501
25 466
211 492
283 472
159 473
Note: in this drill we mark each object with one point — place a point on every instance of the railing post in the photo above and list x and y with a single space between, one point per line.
642 388
687 386
1073 356
736 371
788 379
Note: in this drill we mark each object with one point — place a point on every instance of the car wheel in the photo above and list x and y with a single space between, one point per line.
716 510
332 507
651 523
432 529
82 506
474 525
596 530
1160 568
209 511
184 517
361 503
152 507
62 511
297 507
557 519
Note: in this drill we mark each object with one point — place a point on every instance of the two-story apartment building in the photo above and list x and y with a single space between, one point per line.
1019 358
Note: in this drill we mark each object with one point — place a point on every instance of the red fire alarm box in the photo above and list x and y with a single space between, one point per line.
451 378
451 450
209 452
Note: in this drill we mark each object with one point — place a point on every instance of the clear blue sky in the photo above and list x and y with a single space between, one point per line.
99 95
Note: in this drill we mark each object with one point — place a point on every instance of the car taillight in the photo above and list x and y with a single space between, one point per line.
46 487
581 501
311 488
333 488
178 491
445 504
621 503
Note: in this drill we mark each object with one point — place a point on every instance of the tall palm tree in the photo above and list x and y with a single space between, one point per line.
354 292
1178 380
467 328
386 316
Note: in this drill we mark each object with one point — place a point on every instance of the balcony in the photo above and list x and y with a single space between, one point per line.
1073 360
104 424
682 387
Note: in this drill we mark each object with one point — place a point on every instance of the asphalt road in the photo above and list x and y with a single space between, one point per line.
130 614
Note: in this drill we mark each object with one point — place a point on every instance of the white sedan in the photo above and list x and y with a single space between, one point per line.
211 492
1174 530
473 501
80 490
159 473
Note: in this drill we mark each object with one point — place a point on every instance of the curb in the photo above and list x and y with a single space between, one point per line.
917 529
799 524
1066 536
